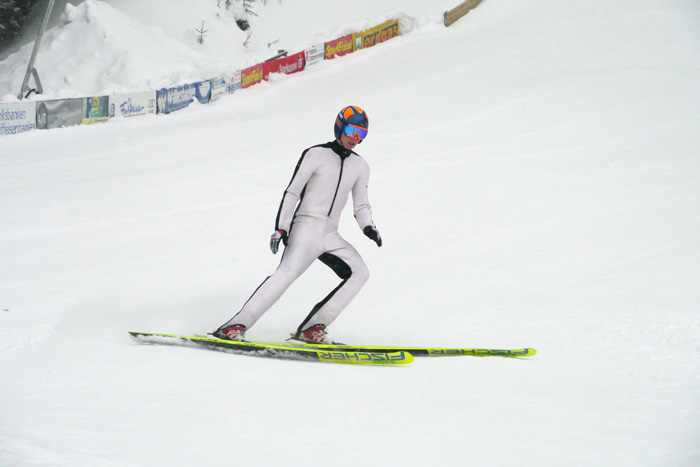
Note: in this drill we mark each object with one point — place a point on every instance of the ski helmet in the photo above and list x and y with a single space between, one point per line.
353 121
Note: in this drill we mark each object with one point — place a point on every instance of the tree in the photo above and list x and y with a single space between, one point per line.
240 9
13 15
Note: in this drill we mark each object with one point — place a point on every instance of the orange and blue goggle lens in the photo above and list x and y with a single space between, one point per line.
355 131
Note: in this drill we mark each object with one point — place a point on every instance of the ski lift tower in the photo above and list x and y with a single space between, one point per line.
30 68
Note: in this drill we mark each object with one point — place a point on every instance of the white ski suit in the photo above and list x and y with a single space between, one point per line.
322 181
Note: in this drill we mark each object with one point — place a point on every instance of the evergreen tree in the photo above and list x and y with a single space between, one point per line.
13 15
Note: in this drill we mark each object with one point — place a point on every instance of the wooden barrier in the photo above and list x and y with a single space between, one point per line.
456 13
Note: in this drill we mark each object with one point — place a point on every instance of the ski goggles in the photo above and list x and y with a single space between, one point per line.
355 131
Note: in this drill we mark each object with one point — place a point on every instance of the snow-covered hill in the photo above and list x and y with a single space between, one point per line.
112 46
536 181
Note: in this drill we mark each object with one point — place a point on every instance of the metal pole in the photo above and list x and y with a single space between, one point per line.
30 68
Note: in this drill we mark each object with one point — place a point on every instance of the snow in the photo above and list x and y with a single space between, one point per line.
535 179
115 46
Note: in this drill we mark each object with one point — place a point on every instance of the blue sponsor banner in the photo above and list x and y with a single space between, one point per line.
172 99
203 93
231 88
179 97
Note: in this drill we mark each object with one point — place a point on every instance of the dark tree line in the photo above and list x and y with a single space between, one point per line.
13 16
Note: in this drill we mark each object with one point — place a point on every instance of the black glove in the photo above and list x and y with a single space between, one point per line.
372 232
275 240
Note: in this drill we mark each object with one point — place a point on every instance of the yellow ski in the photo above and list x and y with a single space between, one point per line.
281 350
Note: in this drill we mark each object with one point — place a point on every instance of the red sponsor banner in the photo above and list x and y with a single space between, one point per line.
286 65
339 47
252 75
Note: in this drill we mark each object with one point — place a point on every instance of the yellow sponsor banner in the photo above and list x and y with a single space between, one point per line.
380 33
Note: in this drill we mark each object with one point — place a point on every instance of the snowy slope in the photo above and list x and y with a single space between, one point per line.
536 182
122 55
112 46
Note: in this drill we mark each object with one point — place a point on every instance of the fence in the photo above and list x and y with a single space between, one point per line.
457 12
19 117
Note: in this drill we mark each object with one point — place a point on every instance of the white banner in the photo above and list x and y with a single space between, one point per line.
218 89
132 104
234 84
315 54
17 117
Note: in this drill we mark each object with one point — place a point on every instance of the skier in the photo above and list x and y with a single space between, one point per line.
307 224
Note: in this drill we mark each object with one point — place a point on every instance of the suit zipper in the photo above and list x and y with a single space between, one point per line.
340 177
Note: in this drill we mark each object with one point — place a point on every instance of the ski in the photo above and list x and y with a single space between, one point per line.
415 351
418 351
280 350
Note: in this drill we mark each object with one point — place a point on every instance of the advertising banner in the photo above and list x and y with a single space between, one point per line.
172 99
59 113
17 117
234 84
252 75
315 54
218 88
132 104
339 47
179 97
95 110
286 65
381 33
203 91
357 40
